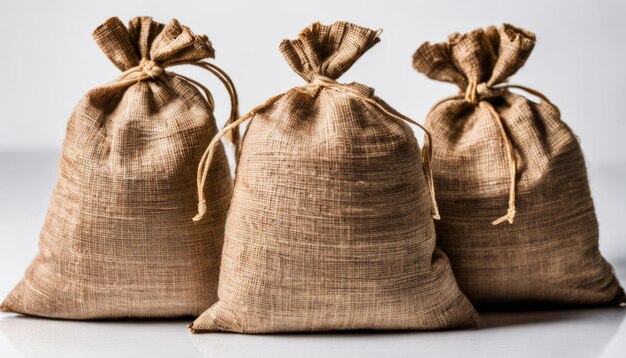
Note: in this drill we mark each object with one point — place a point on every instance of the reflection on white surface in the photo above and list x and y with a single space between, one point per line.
588 333
26 182
569 333
36 337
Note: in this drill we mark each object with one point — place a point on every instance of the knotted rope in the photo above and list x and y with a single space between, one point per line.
148 69
475 94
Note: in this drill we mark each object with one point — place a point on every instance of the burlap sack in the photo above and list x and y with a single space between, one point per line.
118 240
492 146
330 223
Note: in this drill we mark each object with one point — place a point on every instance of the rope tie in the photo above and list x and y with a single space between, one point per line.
151 70
510 213
318 81
322 81
470 93
148 69
475 93
207 157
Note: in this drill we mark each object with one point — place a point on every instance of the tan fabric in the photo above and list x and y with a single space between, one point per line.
545 247
118 240
330 224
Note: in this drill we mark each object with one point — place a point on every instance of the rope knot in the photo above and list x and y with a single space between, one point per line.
201 210
150 68
475 91
510 216
321 81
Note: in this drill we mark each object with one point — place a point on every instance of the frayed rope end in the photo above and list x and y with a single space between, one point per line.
201 211
510 216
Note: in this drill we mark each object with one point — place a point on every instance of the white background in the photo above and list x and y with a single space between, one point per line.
48 60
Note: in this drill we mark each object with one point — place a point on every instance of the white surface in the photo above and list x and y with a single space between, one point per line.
571 334
48 56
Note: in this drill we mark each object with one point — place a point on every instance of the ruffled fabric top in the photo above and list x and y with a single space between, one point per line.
487 56
145 39
327 50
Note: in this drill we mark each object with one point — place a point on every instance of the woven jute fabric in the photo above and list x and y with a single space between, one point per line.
498 153
118 240
330 224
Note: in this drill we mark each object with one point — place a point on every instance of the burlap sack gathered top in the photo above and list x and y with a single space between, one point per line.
518 221
330 223
118 240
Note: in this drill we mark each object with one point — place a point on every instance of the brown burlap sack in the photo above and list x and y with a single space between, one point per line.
330 223
491 146
118 240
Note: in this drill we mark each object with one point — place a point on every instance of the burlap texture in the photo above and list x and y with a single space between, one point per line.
550 251
330 223
118 240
